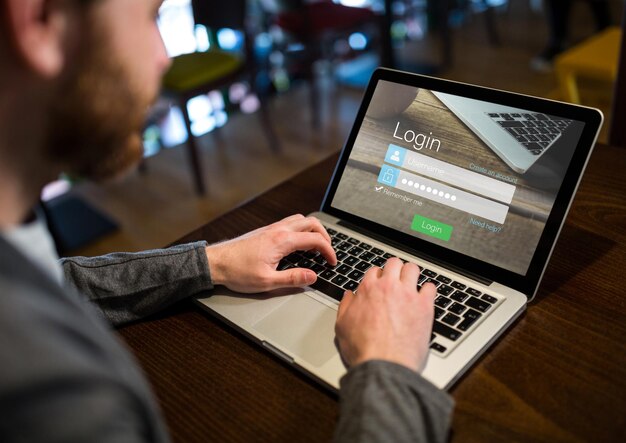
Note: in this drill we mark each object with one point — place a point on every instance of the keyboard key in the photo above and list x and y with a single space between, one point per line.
379 261
457 308
444 279
343 269
450 319
320 260
459 296
387 255
342 236
378 251
350 260
428 273
356 251
331 231
445 290
457 285
367 256
335 241
341 255
306 263
318 268
328 274
354 241
365 246
489 298
344 246
339 280
363 266
294 258
439 312
310 254
328 288
437 347
442 301
351 285
474 292
445 331
477 304
284 264
356 275
469 318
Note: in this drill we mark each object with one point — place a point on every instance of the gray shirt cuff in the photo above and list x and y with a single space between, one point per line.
381 401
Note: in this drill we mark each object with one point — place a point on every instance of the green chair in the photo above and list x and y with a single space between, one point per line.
191 75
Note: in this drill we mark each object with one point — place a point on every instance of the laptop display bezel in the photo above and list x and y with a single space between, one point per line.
527 284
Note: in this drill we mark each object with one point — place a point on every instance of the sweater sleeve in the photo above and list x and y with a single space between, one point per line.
382 401
129 286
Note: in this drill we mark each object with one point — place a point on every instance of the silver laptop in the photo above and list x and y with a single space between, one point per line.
415 182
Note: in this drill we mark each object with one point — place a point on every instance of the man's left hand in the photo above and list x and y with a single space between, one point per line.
248 263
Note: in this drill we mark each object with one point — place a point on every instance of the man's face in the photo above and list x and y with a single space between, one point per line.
100 105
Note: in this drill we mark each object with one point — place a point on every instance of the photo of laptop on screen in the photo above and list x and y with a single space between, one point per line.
517 136
416 181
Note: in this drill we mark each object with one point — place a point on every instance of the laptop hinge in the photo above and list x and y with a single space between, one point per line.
411 251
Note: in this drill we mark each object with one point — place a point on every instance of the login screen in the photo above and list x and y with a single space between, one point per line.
475 177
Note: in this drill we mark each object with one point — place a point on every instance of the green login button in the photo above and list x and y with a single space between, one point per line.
430 227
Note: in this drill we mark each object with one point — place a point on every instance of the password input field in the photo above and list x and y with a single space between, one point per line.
469 181
443 194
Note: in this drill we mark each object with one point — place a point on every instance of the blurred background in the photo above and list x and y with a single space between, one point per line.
260 90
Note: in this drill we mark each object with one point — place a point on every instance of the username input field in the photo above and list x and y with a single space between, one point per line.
444 172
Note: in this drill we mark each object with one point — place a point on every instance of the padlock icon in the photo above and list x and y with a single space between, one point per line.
388 176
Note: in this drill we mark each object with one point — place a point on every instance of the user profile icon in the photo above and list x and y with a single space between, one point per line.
396 156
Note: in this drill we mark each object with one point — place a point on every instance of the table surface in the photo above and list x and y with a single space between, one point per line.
559 374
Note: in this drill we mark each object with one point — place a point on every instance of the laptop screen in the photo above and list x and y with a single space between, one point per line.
474 177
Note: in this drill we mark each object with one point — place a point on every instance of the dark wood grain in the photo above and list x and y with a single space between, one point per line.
558 375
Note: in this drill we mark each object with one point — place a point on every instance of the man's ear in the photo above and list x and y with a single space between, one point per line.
37 31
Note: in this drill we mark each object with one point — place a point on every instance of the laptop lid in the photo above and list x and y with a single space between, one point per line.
414 175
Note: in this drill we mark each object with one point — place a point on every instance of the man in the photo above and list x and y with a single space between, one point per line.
76 77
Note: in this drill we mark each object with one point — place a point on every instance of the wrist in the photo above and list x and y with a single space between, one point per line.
406 362
216 269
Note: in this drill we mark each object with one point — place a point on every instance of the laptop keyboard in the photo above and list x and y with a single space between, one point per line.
458 307
534 131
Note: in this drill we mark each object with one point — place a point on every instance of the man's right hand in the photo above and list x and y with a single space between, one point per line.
387 319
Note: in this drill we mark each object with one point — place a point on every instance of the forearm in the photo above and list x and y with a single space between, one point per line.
129 286
381 401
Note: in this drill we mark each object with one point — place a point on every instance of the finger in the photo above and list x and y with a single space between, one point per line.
303 241
409 274
372 274
428 291
310 224
290 278
292 218
393 267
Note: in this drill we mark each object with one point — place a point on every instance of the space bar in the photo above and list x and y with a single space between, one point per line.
328 289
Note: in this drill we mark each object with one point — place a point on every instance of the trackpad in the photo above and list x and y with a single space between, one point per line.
302 326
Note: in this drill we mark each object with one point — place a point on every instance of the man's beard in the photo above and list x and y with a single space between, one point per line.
97 116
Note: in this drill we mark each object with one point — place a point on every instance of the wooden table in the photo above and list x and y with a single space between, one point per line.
558 375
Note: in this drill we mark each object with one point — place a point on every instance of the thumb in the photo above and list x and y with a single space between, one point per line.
294 277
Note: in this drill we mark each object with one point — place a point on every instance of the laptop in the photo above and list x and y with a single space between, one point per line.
413 181
517 136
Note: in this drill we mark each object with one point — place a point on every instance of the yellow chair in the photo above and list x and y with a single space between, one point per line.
596 58
199 73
